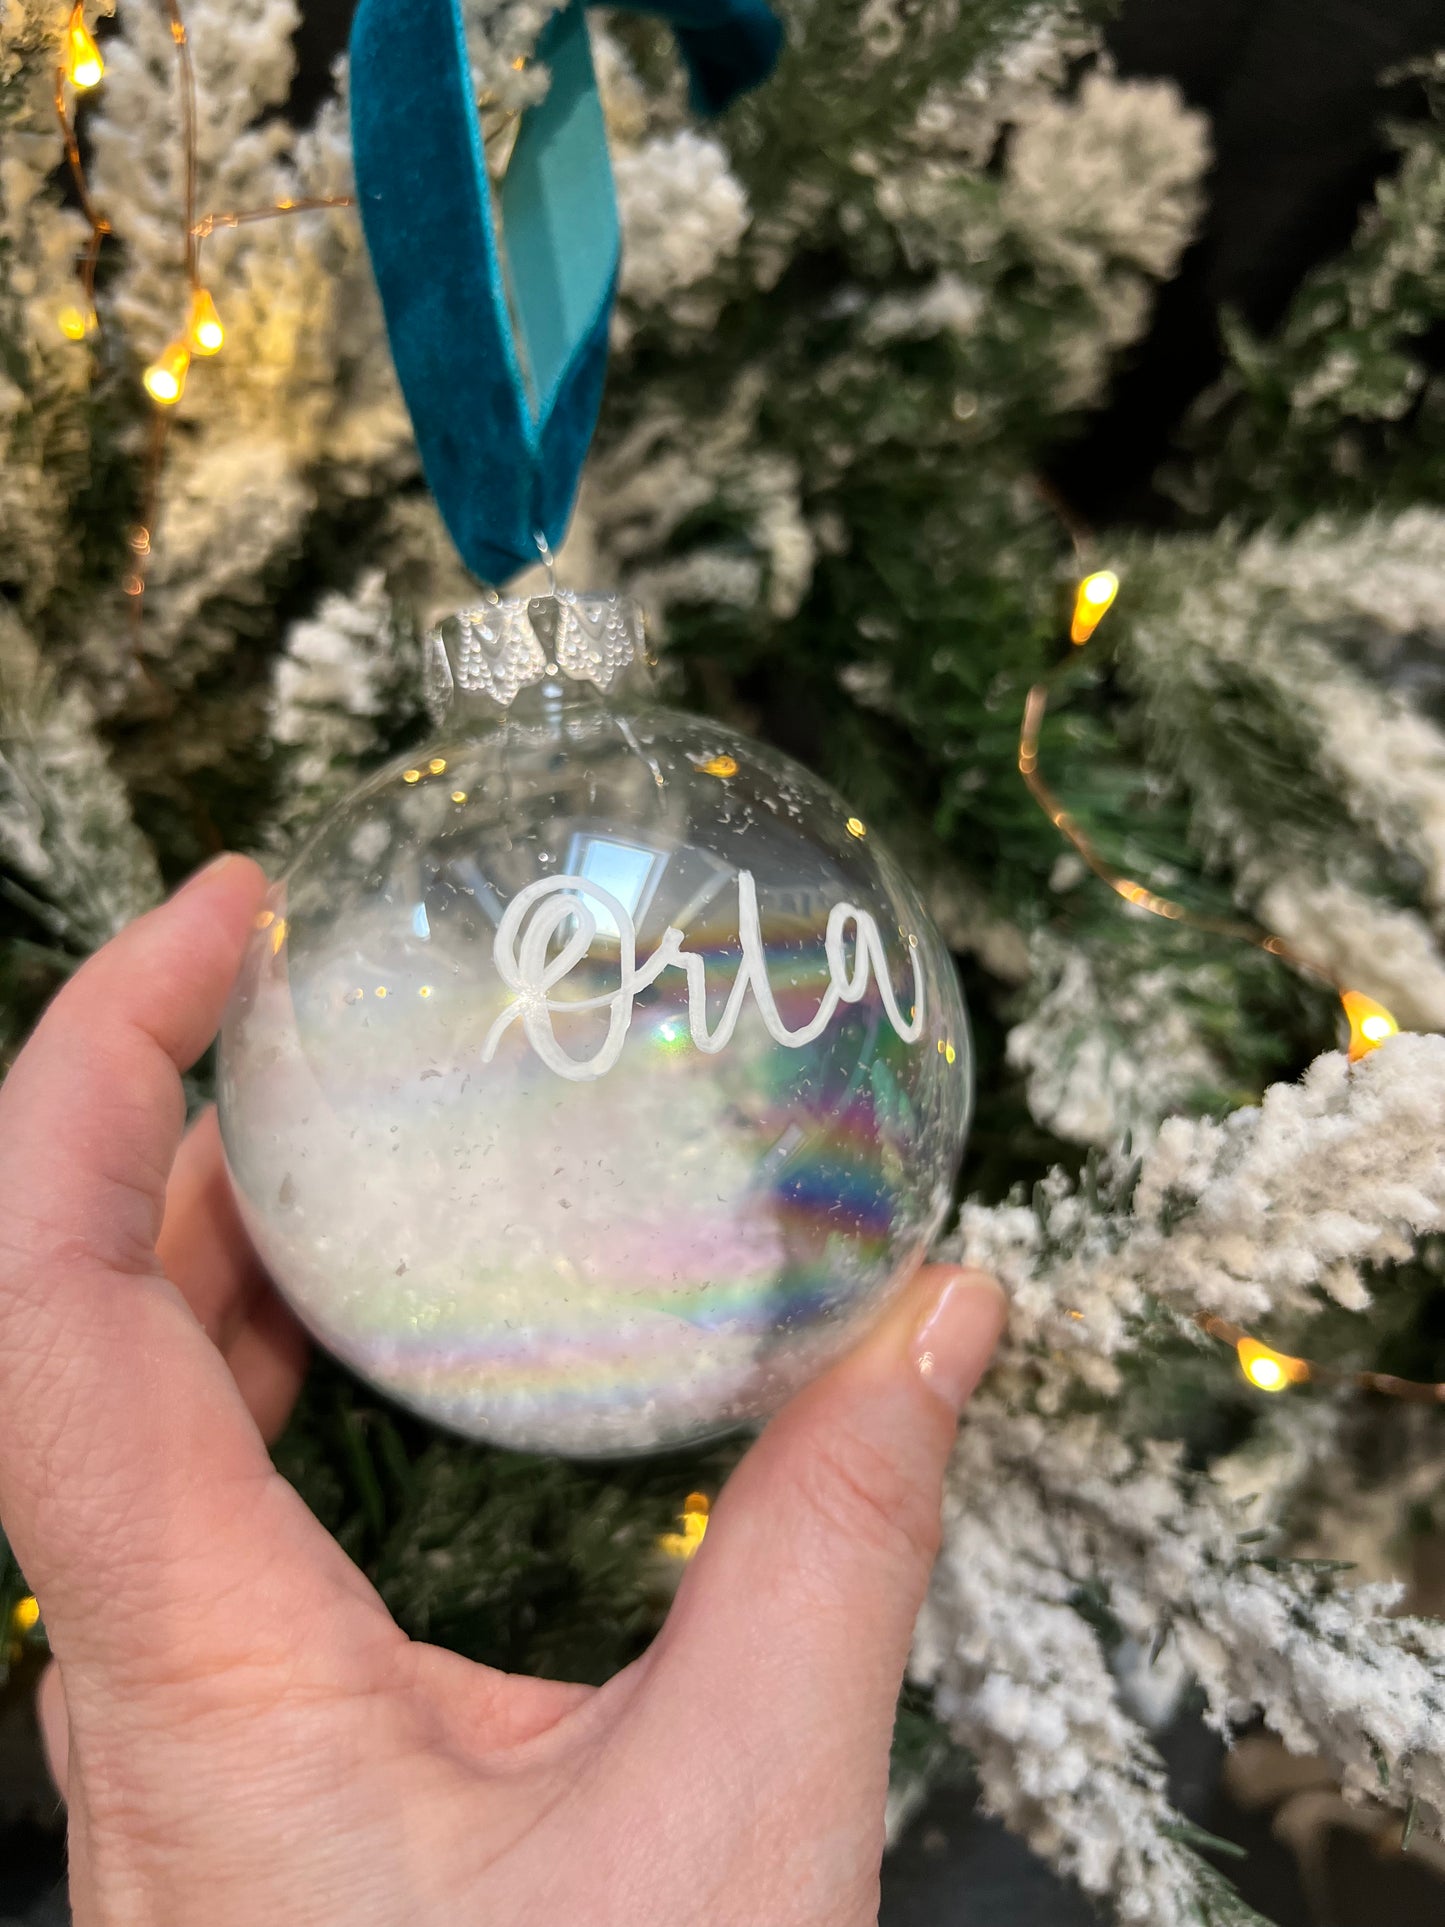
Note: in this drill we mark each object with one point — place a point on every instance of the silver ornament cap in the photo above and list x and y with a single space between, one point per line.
508 644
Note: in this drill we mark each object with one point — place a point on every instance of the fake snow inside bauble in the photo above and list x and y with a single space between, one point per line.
594 1076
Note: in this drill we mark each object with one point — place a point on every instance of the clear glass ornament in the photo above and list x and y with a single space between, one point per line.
594 1076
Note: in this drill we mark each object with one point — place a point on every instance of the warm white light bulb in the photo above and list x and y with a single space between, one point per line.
165 379
1370 1023
1094 599
84 67
204 330
1269 1371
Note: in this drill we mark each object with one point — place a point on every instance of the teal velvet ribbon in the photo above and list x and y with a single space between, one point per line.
500 343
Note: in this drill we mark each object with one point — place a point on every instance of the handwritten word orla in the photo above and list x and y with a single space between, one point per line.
537 914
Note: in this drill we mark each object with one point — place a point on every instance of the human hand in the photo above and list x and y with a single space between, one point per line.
243 1734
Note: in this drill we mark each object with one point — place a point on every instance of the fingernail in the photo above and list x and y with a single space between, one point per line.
207 870
957 1335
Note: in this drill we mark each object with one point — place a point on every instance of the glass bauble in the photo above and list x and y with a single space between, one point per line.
595 1075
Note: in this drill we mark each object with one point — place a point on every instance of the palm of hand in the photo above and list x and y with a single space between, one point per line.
243 1733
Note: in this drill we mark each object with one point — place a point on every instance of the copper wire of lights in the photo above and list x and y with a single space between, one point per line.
203 334
1273 1371
243 217
81 67
1370 1022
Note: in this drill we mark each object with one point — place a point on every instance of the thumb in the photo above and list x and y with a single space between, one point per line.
803 1596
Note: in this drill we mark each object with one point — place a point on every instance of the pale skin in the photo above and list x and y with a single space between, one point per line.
240 1730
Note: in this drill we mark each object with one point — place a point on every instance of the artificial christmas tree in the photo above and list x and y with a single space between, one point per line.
860 319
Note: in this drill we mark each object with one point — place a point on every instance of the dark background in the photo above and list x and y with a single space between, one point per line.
1292 89
1293 92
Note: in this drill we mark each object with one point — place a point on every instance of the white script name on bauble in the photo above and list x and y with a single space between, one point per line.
539 914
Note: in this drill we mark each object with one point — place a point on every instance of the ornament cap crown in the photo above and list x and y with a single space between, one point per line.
507 644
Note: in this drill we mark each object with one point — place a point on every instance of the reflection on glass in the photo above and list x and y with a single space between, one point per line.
626 871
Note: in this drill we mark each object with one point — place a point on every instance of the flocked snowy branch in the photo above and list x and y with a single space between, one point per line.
1059 1517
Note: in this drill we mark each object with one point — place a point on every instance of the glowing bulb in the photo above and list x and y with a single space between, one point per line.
165 379
1270 1371
1092 603
719 766
26 1615
856 827
204 331
74 323
1370 1023
83 64
693 1520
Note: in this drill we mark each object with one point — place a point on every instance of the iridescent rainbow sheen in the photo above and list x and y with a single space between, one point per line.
603 1267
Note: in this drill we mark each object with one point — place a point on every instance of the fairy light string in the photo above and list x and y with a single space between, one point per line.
1370 1022
1274 1371
1094 595
81 67
1089 610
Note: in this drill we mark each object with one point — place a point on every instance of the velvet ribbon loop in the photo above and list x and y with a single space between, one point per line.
500 341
